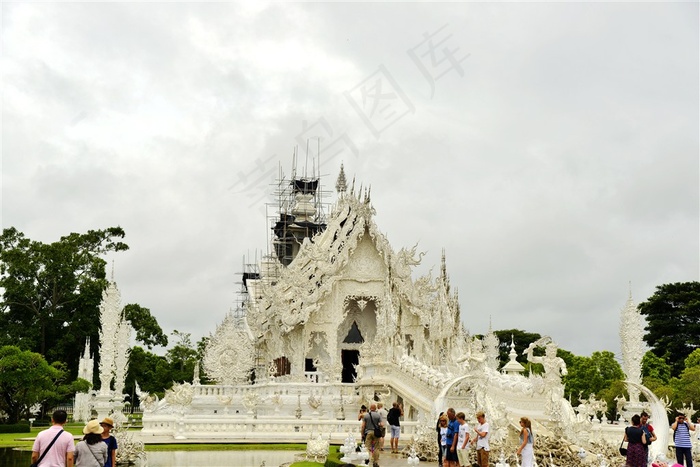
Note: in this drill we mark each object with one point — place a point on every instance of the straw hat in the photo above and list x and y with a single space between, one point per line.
93 426
107 421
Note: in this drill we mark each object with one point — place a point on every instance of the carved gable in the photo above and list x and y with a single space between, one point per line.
365 264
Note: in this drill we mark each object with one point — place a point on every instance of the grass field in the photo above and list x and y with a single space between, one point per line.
15 440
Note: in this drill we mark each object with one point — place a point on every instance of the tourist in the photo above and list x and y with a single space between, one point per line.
91 451
681 437
370 422
648 431
462 440
395 412
526 443
382 415
438 428
482 440
107 424
363 411
54 446
442 429
636 439
451 438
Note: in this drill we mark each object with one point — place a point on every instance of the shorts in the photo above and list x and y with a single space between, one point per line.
383 430
395 431
451 455
463 456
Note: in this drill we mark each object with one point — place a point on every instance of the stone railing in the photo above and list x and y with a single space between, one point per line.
241 429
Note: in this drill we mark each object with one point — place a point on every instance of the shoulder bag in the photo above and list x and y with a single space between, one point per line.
623 451
377 430
36 464
93 455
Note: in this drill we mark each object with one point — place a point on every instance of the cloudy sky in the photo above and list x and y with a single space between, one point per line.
550 148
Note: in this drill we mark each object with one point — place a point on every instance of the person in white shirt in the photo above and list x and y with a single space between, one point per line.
462 440
382 415
482 440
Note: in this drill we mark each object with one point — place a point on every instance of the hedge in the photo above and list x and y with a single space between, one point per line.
333 459
15 428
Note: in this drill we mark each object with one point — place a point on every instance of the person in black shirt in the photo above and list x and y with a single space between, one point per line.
392 418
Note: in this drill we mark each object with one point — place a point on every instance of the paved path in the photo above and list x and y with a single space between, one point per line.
387 459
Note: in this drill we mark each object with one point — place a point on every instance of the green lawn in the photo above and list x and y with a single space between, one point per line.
12 440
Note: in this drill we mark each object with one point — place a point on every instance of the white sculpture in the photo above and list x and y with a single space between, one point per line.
228 358
631 332
82 410
115 335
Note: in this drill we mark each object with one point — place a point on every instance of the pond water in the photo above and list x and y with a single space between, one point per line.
14 458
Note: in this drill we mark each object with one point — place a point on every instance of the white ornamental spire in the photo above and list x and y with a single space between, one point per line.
110 317
86 363
121 356
491 344
341 185
631 332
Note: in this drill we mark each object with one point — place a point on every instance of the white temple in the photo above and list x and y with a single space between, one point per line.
334 319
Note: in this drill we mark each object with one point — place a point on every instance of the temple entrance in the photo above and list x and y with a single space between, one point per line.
349 359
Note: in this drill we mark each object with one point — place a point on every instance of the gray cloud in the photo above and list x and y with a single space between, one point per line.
559 163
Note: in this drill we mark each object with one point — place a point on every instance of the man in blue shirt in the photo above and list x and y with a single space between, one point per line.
451 459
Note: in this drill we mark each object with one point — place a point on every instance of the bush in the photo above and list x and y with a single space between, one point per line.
333 459
22 427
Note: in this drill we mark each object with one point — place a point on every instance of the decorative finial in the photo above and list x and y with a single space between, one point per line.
112 278
341 184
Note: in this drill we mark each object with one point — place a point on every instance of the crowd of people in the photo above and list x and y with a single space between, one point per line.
374 428
454 438
55 447
98 448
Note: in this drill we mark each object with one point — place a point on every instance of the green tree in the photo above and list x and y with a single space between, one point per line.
51 292
655 367
153 372
27 379
182 356
146 326
673 322
156 373
687 386
591 375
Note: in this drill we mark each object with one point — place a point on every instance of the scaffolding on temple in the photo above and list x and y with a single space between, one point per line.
298 213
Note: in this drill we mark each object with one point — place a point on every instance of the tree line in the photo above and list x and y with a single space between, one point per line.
51 294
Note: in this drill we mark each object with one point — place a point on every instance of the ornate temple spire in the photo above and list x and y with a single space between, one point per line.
86 352
110 313
513 366
195 376
341 185
86 363
491 345
443 272
631 332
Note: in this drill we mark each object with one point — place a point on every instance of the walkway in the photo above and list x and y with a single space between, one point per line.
387 459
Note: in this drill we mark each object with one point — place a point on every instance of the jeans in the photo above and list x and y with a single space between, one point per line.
684 452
